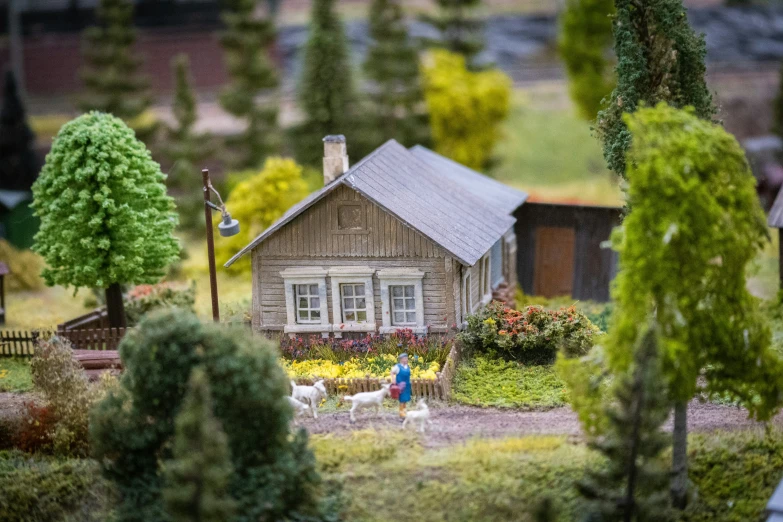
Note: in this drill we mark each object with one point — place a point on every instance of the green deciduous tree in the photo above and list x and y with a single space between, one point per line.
695 224
392 65
466 108
659 58
258 201
585 40
461 30
196 479
632 486
133 428
246 42
326 89
112 82
19 164
105 217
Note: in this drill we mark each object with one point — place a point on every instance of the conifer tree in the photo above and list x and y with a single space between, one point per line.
585 39
326 89
197 478
694 226
112 82
184 147
461 31
633 484
659 59
105 217
392 64
246 41
19 165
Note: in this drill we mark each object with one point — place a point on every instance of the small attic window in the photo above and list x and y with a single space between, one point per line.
350 218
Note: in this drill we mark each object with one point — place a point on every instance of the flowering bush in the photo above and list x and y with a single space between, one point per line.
532 335
145 298
34 433
427 349
378 366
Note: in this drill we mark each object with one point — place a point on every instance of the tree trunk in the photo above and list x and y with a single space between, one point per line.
679 486
114 306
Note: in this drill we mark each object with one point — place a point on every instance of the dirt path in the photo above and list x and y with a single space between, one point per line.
459 423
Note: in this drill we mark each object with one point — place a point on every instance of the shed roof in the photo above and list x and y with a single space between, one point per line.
775 218
775 504
428 195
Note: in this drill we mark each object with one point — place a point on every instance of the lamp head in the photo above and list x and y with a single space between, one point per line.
228 227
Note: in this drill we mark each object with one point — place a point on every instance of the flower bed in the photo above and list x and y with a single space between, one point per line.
358 365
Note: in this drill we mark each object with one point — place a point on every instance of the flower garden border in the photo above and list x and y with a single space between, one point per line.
438 388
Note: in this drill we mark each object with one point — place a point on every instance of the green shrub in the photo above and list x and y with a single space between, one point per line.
491 382
145 298
67 393
734 475
530 336
37 489
133 427
24 268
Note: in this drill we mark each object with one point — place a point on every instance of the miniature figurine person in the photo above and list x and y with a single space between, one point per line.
401 374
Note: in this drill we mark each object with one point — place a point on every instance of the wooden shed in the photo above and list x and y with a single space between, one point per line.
560 250
775 220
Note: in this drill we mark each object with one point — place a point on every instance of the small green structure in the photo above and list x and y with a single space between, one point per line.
18 225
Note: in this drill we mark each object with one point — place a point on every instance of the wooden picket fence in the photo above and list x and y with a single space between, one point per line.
438 388
22 343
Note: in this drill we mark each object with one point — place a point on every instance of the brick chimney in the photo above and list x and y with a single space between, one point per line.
335 157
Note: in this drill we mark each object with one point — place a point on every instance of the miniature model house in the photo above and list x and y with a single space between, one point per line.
405 239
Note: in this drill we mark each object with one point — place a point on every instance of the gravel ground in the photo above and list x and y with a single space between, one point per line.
11 403
459 423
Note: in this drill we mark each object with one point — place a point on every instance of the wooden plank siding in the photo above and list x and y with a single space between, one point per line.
593 267
313 240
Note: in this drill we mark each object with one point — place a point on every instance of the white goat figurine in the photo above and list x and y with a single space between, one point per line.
299 407
420 416
373 399
310 395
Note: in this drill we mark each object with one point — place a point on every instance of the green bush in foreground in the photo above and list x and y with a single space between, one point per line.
490 382
133 427
35 489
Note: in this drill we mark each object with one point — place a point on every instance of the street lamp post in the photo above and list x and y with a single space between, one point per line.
227 227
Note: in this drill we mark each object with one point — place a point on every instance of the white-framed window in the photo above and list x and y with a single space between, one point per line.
402 300
305 300
403 305
467 300
308 304
485 286
353 299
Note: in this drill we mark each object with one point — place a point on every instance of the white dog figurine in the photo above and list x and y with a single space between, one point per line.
373 399
299 407
420 416
310 395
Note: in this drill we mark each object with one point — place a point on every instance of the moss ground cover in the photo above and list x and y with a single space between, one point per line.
15 374
490 382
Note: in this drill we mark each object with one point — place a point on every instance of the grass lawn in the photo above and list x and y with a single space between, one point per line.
533 156
15 374
488 382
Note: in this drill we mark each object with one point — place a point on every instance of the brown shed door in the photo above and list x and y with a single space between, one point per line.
554 269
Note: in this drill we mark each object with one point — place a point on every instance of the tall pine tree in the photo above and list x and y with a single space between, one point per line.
19 165
392 65
633 486
461 31
326 88
197 478
246 42
184 148
659 59
585 39
112 82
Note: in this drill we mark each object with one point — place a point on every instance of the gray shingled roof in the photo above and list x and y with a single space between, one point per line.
493 192
775 218
775 505
427 195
